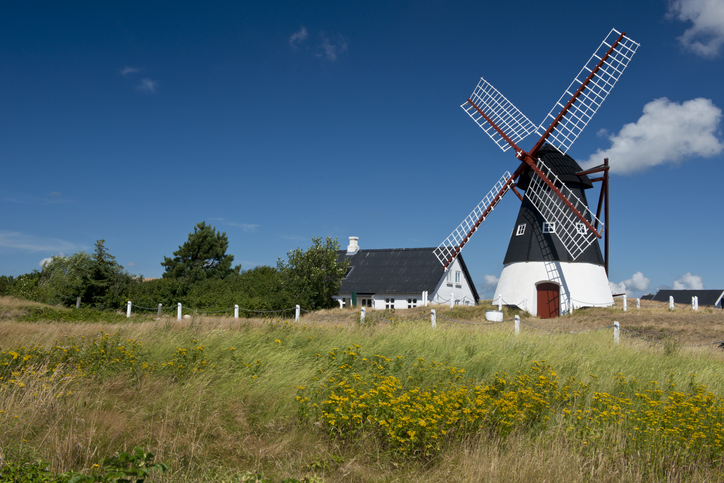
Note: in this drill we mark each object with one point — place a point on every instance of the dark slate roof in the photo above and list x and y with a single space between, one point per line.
706 297
395 270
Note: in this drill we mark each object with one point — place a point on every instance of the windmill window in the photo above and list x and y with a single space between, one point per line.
581 228
411 303
521 230
549 227
449 279
389 303
457 278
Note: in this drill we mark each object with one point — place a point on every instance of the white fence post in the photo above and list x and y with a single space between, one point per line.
616 328
178 312
236 311
433 317
517 324
159 309
500 302
695 302
638 303
671 302
362 315
625 303
296 313
128 309
424 298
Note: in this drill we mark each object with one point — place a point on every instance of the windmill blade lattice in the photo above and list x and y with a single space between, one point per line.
501 111
450 248
589 89
573 233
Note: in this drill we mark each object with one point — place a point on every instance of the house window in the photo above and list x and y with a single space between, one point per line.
549 227
449 279
390 303
581 228
411 303
457 277
521 230
344 303
366 302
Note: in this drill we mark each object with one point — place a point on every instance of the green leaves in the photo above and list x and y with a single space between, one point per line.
312 277
203 256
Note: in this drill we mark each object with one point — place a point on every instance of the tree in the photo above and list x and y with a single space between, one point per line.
97 279
313 277
202 257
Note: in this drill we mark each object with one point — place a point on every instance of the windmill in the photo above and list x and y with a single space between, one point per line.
554 260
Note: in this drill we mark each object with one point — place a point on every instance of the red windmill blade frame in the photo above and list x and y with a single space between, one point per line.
497 116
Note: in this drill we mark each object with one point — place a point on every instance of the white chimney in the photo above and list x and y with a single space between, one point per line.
353 247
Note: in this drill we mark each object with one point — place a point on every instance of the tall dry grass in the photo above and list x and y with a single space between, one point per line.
215 424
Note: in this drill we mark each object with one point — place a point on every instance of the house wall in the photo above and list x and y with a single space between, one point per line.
461 292
383 301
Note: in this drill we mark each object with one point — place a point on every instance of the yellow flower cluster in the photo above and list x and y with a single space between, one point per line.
412 410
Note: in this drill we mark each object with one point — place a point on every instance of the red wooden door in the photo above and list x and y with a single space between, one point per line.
548 300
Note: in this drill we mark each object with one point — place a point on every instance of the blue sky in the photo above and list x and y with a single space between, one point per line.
279 121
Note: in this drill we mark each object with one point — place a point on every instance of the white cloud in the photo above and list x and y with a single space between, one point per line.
147 85
129 70
130 264
246 227
637 283
706 35
667 133
487 288
332 48
298 37
689 282
28 243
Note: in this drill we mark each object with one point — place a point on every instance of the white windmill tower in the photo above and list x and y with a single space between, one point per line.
554 261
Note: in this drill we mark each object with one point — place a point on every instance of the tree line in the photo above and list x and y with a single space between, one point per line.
200 275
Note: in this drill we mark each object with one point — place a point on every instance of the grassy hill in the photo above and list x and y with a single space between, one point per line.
330 399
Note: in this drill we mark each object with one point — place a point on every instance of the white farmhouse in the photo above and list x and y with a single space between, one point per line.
402 278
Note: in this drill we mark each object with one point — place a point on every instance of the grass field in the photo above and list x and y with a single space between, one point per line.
329 399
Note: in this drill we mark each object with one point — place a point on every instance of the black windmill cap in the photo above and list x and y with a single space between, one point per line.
564 166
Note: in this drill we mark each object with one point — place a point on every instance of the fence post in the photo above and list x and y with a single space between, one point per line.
159 310
517 324
128 309
362 315
500 302
77 303
625 303
671 302
178 312
433 317
616 328
236 311
296 313
452 299
638 303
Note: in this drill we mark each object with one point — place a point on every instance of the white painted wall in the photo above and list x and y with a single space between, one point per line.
462 292
581 284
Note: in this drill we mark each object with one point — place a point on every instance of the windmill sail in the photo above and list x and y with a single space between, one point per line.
581 100
450 248
487 99
574 234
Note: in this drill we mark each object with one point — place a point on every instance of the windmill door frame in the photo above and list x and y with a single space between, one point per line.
548 298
